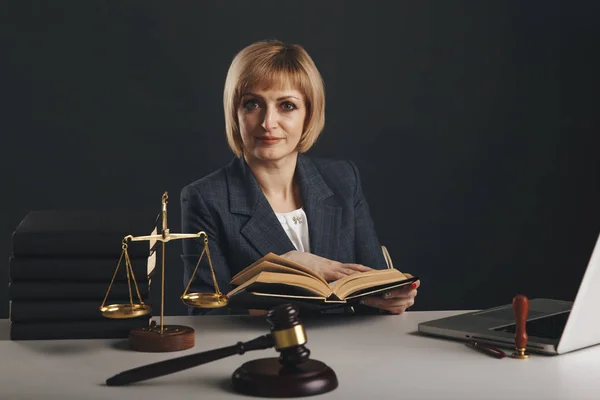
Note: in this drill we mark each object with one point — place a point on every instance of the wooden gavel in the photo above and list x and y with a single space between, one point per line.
292 374
520 305
287 336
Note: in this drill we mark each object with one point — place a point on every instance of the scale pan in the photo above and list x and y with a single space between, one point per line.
205 300
121 311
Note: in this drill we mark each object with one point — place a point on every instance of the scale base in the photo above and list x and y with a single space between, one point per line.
266 377
150 340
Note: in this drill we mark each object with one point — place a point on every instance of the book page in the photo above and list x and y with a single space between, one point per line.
302 281
152 259
353 283
372 290
151 265
265 266
248 272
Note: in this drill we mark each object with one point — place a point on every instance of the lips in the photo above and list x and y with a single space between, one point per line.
269 139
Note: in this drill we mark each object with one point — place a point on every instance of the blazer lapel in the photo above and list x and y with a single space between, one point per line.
324 219
262 230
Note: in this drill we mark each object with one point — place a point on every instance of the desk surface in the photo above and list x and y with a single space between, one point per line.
378 357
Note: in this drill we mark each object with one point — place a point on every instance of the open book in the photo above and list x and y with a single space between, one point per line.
276 279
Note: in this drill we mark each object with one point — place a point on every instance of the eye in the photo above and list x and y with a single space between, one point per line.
288 106
251 105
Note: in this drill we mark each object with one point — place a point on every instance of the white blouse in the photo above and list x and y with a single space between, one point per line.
295 225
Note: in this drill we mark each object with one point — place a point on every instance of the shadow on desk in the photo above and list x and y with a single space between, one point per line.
310 321
4 333
202 382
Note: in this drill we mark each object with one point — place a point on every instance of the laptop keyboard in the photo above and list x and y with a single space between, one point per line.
550 327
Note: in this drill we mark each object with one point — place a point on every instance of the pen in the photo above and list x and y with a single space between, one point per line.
491 351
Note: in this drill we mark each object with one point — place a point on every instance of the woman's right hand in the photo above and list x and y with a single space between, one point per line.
330 270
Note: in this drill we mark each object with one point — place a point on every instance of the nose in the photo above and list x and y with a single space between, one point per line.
270 119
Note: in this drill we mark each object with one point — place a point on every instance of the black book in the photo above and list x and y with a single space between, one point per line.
78 269
69 233
107 329
248 300
29 290
59 310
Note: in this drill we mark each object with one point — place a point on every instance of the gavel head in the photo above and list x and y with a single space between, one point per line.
288 334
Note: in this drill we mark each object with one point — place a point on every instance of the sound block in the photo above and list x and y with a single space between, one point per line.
266 377
150 339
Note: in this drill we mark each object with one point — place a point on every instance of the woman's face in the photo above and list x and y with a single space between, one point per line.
271 122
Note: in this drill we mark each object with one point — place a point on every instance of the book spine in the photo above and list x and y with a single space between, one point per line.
107 329
73 244
75 291
74 270
44 310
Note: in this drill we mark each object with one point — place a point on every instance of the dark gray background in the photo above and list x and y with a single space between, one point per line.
474 124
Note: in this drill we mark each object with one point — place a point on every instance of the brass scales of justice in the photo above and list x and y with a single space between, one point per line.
161 337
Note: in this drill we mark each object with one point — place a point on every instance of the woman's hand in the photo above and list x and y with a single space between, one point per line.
395 301
330 270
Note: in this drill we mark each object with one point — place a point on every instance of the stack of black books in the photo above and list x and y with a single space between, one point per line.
62 266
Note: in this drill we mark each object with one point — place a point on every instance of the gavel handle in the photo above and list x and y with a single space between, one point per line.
166 367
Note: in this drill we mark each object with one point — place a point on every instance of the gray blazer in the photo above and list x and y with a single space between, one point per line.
241 226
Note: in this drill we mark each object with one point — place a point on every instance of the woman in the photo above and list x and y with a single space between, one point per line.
272 197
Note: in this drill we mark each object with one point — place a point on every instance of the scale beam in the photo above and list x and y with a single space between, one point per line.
165 238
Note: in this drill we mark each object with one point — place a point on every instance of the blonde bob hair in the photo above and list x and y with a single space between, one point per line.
273 62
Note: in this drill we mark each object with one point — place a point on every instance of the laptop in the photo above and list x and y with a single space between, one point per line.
553 326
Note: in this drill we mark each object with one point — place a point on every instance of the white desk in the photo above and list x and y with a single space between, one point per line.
374 357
